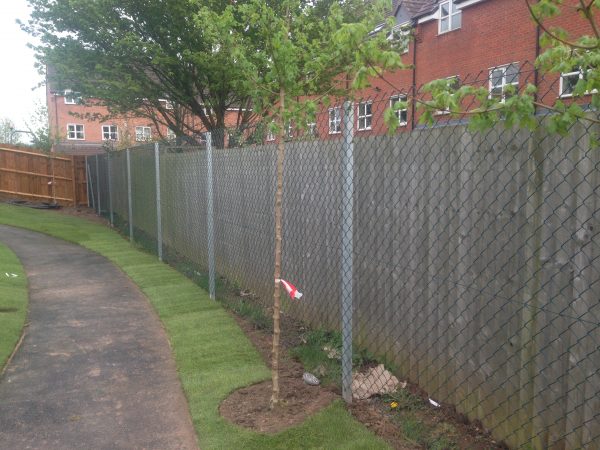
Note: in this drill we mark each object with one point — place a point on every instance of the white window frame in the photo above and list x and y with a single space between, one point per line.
335 121
71 98
364 116
400 31
289 130
75 132
270 135
504 83
579 74
171 135
441 112
453 11
168 103
141 137
400 98
311 128
107 133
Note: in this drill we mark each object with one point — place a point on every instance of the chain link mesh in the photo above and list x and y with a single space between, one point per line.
475 261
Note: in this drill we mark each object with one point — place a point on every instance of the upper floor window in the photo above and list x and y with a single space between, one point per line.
110 133
75 132
502 77
402 114
400 37
168 104
72 98
365 115
171 135
450 16
335 120
143 134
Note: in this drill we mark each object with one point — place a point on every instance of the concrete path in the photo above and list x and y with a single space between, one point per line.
95 369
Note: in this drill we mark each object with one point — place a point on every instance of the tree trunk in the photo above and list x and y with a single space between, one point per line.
277 292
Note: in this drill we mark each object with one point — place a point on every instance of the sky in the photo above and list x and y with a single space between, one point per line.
18 76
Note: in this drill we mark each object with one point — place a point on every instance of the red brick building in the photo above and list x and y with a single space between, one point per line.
78 127
491 43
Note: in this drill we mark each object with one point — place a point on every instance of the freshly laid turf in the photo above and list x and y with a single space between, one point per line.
13 302
213 356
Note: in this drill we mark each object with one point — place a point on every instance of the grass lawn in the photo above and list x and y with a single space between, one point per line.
13 302
213 356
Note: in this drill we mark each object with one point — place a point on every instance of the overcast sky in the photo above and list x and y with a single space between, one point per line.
18 76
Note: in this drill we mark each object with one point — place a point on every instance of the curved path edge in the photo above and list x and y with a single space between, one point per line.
95 369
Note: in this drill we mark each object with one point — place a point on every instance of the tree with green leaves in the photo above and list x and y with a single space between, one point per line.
39 129
156 58
290 63
6 132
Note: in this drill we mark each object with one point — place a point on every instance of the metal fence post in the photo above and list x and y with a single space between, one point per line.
158 209
209 217
98 187
129 203
90 184
110 200
347 248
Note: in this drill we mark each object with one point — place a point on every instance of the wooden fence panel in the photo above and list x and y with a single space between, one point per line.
30 175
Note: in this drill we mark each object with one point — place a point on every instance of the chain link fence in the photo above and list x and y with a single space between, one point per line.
468 263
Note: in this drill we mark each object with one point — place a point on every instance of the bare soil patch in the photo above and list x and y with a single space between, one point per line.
249 406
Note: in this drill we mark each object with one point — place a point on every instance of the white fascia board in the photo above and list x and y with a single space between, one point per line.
467 3
407 24
432 16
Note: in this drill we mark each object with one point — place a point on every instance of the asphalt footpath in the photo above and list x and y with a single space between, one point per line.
94 370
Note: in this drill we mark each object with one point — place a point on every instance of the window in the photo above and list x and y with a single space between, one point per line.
453 84
142 134
569 80
501 78
75 132
72 98
311 129
450 17
270 135
365 115
110 133
402 114
168 103
399 36
289 131
335 120
170 134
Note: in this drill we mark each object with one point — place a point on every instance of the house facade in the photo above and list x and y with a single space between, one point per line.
82 128
486 43
489 43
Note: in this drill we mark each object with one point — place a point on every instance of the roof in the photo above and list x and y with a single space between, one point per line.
416 8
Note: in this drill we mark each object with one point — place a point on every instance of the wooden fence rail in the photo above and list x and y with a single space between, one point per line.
31 175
